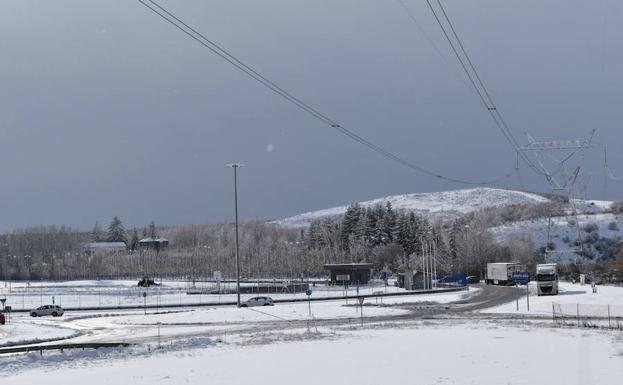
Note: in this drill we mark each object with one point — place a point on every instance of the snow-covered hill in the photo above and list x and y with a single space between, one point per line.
565 231
435 205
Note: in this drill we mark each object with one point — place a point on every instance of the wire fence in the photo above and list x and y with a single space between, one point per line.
74 296
588 315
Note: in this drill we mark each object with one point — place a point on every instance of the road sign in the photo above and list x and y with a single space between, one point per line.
521 277
360 299
308 292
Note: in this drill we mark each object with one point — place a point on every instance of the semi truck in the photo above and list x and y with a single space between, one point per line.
547 279
500 273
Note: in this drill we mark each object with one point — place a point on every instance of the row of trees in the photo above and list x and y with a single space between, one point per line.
392 240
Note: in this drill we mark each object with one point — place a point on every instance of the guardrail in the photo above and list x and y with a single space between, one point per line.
61 347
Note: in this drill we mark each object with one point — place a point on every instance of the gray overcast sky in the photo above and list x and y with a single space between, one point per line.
107 110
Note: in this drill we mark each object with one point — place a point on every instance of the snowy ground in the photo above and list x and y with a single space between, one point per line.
21 333
446 352
571 295
277 345
112 326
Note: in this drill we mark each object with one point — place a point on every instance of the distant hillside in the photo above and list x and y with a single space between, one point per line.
434 205
600 234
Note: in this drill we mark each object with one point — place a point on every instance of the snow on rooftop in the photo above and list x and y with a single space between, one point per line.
150 239
104 245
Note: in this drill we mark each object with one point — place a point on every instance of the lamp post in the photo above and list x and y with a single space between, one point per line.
236 166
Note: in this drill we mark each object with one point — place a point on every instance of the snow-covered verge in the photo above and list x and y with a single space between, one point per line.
570 295
442 205
480 353
19 332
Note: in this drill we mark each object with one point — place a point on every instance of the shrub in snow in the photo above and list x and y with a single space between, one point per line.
590 227
617 207
613 226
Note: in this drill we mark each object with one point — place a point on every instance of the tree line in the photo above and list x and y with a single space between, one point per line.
392 240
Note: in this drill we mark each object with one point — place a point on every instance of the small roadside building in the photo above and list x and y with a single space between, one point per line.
156 244
349 273
104 247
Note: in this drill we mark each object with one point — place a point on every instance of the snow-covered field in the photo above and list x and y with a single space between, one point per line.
278 345
481 353
571 295
444 204
114 326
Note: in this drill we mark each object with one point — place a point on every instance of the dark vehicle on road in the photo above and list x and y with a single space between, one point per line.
257 301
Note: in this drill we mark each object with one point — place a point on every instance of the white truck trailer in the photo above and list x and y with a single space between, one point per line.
500 273
547 279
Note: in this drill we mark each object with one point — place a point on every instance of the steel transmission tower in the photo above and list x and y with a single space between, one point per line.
561 163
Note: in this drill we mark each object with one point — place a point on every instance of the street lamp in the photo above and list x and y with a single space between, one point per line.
236 166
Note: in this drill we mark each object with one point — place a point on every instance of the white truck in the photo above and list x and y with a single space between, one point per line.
547 279
500 273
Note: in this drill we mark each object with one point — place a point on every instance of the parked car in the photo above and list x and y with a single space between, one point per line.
53 310
257 301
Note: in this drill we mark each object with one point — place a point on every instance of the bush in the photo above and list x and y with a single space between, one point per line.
592 237
617 207
590 227
613 226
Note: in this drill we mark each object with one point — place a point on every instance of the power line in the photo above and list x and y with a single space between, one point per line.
221 52
432 43
476 81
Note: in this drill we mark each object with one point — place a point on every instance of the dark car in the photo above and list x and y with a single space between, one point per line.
473 279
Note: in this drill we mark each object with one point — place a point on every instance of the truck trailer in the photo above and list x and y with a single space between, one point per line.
500 273
547 279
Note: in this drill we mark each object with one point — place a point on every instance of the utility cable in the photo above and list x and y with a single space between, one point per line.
221 52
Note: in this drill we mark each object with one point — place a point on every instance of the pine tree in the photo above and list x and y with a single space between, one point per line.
152 230
134 241
97 235
314 239
388 225
369 230
116 231
349 225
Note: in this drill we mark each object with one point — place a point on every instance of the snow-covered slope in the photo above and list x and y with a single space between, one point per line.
565 231
435 205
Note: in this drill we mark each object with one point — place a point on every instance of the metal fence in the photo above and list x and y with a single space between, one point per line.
588 315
